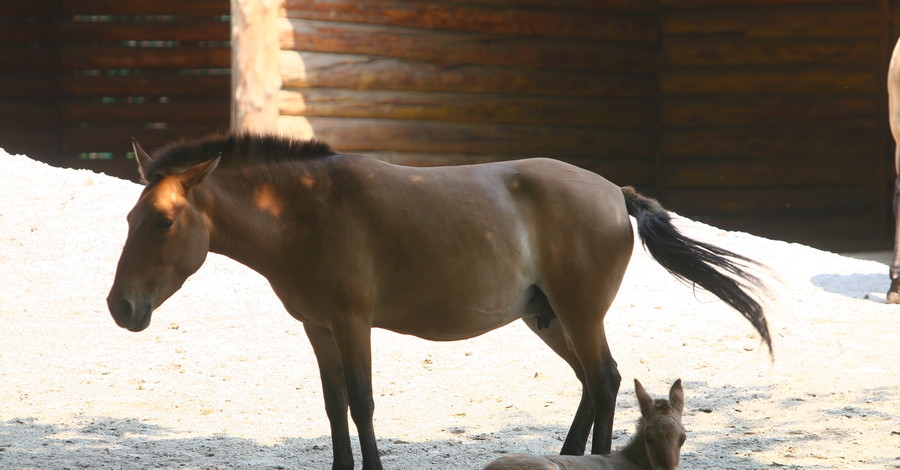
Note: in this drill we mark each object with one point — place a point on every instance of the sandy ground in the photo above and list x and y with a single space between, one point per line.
225 379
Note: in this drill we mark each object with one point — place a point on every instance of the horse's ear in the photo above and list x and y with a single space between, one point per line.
143 159
195 174
644 399
676 397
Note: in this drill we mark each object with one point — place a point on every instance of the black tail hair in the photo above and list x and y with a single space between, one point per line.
698 262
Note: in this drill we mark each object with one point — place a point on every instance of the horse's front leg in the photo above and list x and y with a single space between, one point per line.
354 342
334 389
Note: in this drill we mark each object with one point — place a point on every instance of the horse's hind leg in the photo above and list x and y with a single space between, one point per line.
552 334
580 313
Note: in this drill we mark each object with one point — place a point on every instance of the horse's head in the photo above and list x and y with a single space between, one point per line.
661 426
168 240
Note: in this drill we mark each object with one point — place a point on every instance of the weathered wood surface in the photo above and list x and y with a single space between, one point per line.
450 48
584 23
468 107
204 8
306 69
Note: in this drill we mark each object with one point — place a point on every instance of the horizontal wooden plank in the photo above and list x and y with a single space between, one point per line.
28 60
149 84
543 21
35 143
39 88
119 31
834 140
604 5
456 48
469 107
27 32
708 173
146 7
176 112
303 69
110 57
24 114
673 4
806 79
722 52
116 137
356 135
840 232
742 110
33 9
776 21
771 201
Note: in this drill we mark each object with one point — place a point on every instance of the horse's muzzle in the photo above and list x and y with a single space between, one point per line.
126 316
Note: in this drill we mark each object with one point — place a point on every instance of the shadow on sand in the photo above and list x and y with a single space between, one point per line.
125 444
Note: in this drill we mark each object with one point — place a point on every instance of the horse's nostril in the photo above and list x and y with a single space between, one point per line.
121 310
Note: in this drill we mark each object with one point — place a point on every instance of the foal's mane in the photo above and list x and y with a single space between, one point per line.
237 149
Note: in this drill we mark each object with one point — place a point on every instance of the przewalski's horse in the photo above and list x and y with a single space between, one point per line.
893 87
656 445
349 243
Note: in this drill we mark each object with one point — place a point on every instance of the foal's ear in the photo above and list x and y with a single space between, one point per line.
676 397
644 399
143 159
195 174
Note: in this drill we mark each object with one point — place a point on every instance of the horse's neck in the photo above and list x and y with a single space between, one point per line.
245 223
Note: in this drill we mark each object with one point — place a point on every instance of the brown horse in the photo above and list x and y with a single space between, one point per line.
893 87
349 243
655 446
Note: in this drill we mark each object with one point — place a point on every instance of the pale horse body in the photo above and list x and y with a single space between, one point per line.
893 88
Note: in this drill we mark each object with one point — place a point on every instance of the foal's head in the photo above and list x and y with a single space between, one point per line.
660 426
167 241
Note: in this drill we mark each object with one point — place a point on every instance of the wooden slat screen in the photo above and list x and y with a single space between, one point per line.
83 76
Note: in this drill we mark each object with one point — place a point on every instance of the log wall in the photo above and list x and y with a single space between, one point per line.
452 81
773 116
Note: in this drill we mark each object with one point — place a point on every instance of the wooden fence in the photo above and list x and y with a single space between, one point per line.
80 77
760 115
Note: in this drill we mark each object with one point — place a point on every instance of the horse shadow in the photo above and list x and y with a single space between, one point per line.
115 443
871 286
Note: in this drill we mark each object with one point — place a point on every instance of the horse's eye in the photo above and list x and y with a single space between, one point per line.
648 440
164 224
682 439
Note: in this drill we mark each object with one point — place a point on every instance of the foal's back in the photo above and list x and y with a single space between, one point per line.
561 462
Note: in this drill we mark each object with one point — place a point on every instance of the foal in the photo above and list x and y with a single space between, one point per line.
656 444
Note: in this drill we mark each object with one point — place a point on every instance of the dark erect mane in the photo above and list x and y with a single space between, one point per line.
236 150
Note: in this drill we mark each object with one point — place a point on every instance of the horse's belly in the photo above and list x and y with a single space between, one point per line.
451 319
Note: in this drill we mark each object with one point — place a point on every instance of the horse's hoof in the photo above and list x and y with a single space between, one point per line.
893 297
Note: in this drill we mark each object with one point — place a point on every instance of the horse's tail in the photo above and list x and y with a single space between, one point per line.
698 262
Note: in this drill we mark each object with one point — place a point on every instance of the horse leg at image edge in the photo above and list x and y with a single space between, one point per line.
893 295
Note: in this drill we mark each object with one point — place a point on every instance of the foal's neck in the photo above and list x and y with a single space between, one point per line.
635 451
